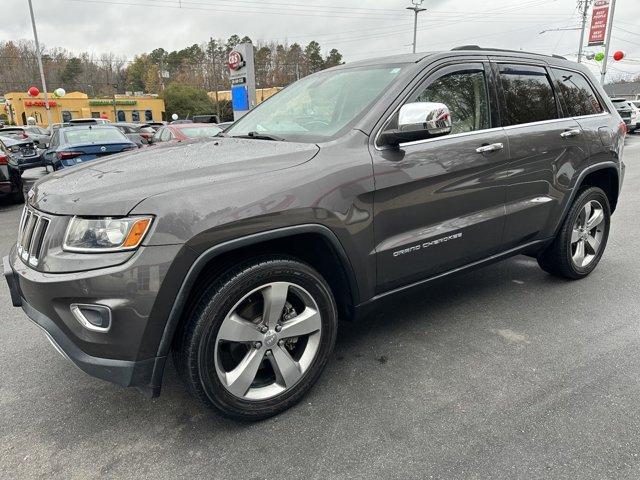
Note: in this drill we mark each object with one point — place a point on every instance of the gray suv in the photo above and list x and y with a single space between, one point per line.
238 254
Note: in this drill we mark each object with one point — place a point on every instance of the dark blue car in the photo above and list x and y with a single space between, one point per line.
74 145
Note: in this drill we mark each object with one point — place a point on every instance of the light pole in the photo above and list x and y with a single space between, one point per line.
416 10
39 57
608 41
585 9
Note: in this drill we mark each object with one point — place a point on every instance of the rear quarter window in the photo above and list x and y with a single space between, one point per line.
576 93
527 95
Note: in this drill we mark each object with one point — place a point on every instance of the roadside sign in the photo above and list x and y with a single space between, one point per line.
599 18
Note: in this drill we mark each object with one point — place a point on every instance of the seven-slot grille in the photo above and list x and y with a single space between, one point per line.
33 227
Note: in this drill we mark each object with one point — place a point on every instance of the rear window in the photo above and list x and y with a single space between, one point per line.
94 135
578 97
198 132
528 95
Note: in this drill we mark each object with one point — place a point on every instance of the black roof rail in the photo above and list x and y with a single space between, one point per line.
478 47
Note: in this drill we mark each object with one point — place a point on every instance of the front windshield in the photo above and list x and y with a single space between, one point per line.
317 107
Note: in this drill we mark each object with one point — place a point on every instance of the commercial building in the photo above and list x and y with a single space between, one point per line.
628 90
18 106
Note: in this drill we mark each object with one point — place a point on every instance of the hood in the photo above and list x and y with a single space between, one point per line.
115 185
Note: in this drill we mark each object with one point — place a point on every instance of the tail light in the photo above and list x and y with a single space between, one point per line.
146 136
24 135
3 159
68 155
623 128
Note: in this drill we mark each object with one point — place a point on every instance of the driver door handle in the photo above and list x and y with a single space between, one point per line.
490 148
570 133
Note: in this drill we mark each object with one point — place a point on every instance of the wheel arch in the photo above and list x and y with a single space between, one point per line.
605 175
309 238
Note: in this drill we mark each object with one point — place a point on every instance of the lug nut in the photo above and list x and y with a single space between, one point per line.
278 328
264 329
281 343
257 344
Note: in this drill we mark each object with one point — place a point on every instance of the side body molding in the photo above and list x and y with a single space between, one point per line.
183 294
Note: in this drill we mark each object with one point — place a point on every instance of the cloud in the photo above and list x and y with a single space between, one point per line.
364 28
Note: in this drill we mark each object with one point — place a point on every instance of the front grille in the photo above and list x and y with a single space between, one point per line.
31 234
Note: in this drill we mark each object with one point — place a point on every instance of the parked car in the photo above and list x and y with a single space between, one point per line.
178 122
626 112
238 254
10 184
78 144
39 135
23 153
635 115
138 133
185 131
211 118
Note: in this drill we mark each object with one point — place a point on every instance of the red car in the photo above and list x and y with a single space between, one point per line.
184 131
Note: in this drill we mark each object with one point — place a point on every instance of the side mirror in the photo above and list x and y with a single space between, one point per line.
418 121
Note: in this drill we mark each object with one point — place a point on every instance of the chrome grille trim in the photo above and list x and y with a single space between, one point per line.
31 235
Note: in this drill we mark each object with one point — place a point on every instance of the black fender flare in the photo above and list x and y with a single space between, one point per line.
574 191
189 281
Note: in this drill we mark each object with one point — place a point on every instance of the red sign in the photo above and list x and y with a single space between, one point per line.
599 18
39 103
235 60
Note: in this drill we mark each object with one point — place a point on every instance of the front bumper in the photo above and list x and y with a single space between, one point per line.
127 354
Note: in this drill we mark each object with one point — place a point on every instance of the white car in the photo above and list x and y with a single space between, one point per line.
635 105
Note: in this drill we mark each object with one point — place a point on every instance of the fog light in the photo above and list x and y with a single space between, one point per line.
96 318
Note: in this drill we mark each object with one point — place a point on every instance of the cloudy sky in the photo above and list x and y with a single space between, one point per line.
358 28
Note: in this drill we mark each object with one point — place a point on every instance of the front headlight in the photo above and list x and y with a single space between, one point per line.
90 235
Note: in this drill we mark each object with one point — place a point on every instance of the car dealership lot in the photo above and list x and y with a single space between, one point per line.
505 372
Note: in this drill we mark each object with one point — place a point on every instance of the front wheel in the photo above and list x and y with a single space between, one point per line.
259 338
580 243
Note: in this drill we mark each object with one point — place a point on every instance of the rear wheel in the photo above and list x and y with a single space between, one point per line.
259 338
580 243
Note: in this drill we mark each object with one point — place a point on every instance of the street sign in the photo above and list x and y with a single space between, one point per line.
599 18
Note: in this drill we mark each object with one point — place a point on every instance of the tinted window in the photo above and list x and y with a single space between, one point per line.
121 116
66 116
465 93
578 98
135 116
528 96
148 115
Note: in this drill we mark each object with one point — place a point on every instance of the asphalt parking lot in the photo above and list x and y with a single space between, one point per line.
505 372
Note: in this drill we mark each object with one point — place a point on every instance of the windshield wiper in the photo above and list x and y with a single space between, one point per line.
261 136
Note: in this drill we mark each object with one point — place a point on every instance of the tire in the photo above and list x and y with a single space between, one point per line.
562 257
216 353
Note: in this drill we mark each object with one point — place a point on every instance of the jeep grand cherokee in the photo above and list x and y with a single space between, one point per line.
238 254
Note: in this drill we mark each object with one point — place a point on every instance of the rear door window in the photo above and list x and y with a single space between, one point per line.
578 97
527 94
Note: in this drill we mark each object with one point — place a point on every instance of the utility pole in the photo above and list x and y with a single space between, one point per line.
608 41
39 56
416 10
584 5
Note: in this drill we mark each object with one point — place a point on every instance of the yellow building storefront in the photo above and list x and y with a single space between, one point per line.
19 106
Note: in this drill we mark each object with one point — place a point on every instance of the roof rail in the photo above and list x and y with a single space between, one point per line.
478 47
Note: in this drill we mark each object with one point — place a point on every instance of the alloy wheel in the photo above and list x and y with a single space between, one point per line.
267 341
587 234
